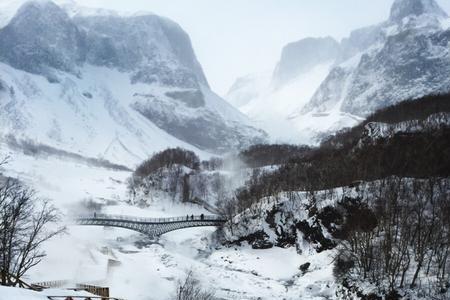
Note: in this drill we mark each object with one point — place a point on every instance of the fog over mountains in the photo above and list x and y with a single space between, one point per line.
321 85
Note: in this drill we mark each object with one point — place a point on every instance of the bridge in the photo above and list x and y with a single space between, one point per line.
151 227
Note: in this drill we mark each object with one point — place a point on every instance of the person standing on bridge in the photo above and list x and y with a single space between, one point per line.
192 217
202 216
187 217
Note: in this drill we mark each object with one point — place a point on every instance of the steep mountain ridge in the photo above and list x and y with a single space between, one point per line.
131 84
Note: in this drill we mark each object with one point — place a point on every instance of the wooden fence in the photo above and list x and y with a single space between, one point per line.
99 291
96 290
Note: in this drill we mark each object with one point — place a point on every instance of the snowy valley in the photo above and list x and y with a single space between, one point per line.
120 167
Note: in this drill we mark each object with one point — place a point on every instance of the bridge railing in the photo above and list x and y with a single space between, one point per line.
152 220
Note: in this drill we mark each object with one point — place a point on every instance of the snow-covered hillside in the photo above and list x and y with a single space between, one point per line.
405 57
132 267
91 116
109 86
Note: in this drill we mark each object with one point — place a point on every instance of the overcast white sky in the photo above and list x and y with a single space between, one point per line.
236 37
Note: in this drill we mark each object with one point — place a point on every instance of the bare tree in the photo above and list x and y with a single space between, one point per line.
228 209
24 226
4 160
190 289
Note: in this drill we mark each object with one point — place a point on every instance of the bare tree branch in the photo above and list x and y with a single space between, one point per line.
25 223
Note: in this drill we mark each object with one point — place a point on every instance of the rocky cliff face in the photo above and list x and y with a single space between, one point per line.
141 67
41 37
300 57
152 48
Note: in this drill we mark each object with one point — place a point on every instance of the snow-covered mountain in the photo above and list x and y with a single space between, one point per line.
300 57
406 56
110 86
271 97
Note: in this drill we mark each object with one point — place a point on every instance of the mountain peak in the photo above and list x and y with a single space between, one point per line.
37 4
40 36
404 8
